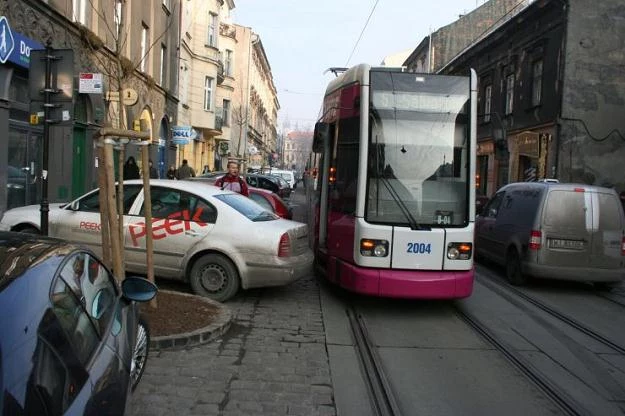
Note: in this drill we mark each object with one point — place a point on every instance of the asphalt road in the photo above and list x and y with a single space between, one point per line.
291 352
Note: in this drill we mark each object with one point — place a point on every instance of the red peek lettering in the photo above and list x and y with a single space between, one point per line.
163 227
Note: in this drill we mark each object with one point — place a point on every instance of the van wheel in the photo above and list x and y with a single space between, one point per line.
214 276
513 268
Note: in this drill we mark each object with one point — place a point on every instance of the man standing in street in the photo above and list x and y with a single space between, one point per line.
185 171
232 181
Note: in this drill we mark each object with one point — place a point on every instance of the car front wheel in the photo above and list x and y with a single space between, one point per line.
140 352
215 277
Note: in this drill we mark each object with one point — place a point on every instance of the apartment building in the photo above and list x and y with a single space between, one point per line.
551 94
143 35
255 102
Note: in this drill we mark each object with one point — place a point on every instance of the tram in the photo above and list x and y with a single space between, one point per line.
393 203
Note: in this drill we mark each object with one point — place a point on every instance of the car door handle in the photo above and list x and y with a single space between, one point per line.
192 233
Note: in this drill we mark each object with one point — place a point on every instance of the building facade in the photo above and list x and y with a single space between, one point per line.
297 149
255 103
443 45
204 51
551 95
98 36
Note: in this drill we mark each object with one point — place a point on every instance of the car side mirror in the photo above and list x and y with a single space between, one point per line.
74 206
138 289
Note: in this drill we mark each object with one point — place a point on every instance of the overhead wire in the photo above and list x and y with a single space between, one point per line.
361 33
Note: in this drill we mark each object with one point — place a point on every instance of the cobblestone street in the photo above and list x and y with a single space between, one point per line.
272 361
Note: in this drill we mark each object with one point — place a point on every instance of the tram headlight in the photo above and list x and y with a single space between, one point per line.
373 248
459 251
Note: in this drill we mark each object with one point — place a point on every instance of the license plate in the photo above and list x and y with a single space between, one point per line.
565 244
443 217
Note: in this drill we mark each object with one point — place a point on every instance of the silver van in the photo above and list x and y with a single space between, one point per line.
554 230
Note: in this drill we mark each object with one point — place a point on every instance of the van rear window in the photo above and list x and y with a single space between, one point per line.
565 210
609 212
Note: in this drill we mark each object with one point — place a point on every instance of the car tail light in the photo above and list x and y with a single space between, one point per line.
535 238
284 248
623 246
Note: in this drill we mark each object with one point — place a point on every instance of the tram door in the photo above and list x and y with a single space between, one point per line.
24 166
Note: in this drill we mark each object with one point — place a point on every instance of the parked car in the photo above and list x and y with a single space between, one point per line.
270 183
554 230
265 198
218 241
271 202
72 340
287 175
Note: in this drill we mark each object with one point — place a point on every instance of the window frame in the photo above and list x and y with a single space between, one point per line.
145 35
509 103
208 93
211 36
488 102
226 112
537 82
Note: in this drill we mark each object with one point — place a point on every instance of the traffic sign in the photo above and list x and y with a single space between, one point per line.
7 42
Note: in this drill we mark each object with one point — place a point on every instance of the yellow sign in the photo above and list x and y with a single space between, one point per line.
136 125
34 119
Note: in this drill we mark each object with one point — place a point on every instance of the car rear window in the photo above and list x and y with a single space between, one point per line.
565 210
247 207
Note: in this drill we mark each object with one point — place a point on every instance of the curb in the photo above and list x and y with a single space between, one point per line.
198 337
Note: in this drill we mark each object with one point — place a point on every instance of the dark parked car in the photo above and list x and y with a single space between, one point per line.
72 340
262 181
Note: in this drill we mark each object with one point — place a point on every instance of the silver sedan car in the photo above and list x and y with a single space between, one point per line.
218 241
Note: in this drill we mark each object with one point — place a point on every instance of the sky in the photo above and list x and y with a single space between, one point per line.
303 38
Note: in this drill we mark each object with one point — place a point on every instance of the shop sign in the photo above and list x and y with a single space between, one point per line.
182 134
14 47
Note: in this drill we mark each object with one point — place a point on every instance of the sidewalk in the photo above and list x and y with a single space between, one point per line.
272 361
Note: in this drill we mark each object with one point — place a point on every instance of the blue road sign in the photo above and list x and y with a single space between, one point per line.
7 43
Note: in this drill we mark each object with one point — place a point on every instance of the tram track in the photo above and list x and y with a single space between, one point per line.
617 298
568 405
505 290
378 385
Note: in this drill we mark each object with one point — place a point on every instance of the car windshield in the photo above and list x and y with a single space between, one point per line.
250 209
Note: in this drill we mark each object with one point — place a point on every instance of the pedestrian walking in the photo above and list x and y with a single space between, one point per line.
131 170
232 181
185 171
171 172
153 171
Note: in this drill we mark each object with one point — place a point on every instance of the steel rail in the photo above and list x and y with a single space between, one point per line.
551 311
568 405
380 391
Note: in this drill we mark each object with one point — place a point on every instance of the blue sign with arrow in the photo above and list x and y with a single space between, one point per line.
7 42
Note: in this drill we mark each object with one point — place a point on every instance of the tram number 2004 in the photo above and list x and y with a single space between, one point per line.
419 248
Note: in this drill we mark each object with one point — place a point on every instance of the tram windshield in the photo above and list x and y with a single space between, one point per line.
418 173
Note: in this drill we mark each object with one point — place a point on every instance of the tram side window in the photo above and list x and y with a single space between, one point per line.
346 163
